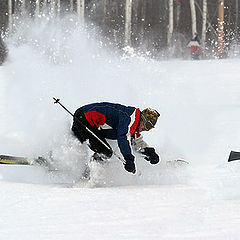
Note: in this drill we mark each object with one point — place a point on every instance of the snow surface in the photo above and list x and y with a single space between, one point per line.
199 102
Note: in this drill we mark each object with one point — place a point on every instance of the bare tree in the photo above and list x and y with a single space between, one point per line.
209 24
179 3
128 22
143 19
204 22
10 16
71 6
37 8
194 20
3 50
170 24
220 28
58 7
104 5
236 18
44 4
53 6
23 7
146 21
81 8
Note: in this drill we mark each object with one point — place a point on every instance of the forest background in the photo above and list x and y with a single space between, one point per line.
158 28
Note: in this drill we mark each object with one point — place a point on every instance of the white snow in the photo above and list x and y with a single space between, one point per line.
200 110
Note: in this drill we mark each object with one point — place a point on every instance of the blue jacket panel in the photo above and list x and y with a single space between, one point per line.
115 120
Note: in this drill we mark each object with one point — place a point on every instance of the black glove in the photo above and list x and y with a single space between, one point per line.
151 155
130 165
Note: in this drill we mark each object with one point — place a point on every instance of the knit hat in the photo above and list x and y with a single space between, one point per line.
149 117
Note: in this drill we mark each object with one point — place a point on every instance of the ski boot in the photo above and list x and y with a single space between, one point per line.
96 158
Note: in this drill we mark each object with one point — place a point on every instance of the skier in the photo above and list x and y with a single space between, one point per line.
195 48
115 121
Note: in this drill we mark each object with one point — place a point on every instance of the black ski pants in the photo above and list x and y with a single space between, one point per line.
79 126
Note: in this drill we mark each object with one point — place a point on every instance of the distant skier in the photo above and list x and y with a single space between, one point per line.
195 48
116 121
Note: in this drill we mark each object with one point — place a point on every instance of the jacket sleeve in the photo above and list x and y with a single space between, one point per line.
126 127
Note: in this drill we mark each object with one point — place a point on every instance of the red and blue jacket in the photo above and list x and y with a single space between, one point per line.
115 120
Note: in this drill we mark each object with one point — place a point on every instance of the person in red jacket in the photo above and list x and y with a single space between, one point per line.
115 121
195 48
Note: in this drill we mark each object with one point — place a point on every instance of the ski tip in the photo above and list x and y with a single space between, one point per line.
182 161
234 156
177 163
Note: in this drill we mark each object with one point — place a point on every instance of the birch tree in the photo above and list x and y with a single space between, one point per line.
193 14
37 8
128 22
170 24
204 22
10 17
80 8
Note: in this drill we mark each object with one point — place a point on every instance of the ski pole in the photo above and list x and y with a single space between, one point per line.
57 101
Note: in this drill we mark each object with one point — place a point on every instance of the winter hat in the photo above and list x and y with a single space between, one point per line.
149 117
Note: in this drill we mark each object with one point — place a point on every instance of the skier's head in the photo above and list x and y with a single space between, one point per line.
149 118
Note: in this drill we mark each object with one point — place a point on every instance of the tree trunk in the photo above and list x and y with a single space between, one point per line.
193 14
71 6
179 4
220 28
170 25
128 22
236 19
58 8
53 3
23 8
10 17
80 9
143 18
3 51
37 8
44 5
204 22
104 11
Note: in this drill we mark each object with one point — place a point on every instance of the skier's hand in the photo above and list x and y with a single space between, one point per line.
130 165
151 155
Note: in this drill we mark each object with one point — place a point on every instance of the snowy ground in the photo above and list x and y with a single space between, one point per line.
199 102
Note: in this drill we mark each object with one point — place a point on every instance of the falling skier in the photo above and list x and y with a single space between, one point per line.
115 121
99 121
